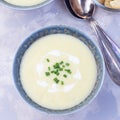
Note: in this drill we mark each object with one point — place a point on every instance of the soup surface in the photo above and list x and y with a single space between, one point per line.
58 71
25 2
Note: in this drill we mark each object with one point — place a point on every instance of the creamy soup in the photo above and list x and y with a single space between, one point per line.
58 71
25 2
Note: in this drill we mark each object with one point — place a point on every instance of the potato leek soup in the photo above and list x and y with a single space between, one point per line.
58 71
24 2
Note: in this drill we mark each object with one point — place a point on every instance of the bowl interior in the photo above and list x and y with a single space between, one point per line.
61 30
25 7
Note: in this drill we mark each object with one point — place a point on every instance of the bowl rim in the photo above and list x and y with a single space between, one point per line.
42 108
105 8
17 7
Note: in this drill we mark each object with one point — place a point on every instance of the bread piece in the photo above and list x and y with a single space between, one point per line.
107 3
115 4
101 1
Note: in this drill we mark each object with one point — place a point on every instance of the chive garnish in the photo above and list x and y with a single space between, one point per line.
68 71
62 83
56 71
57 74
47 60
61 62
52 71
56 80
49 68
59 68
63 66
65 76
67 64
47 73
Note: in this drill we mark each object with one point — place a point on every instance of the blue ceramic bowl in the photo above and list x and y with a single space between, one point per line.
61 30
106 8
25 7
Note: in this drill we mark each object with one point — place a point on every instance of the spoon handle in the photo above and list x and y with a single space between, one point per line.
110 50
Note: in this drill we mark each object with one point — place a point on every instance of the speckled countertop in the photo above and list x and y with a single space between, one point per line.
16 25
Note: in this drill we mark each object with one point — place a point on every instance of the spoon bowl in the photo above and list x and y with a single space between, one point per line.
84 9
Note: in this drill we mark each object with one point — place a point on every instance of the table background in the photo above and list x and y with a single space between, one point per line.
16 25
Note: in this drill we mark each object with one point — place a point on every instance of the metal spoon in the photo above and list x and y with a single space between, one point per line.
84 9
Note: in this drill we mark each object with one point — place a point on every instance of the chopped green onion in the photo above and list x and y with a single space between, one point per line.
67 64
56 80
61 62
52 71
60 69
47 60
63 66
57 69
62 83
68 71
57 74
65 76
47 73
49 68
56 66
